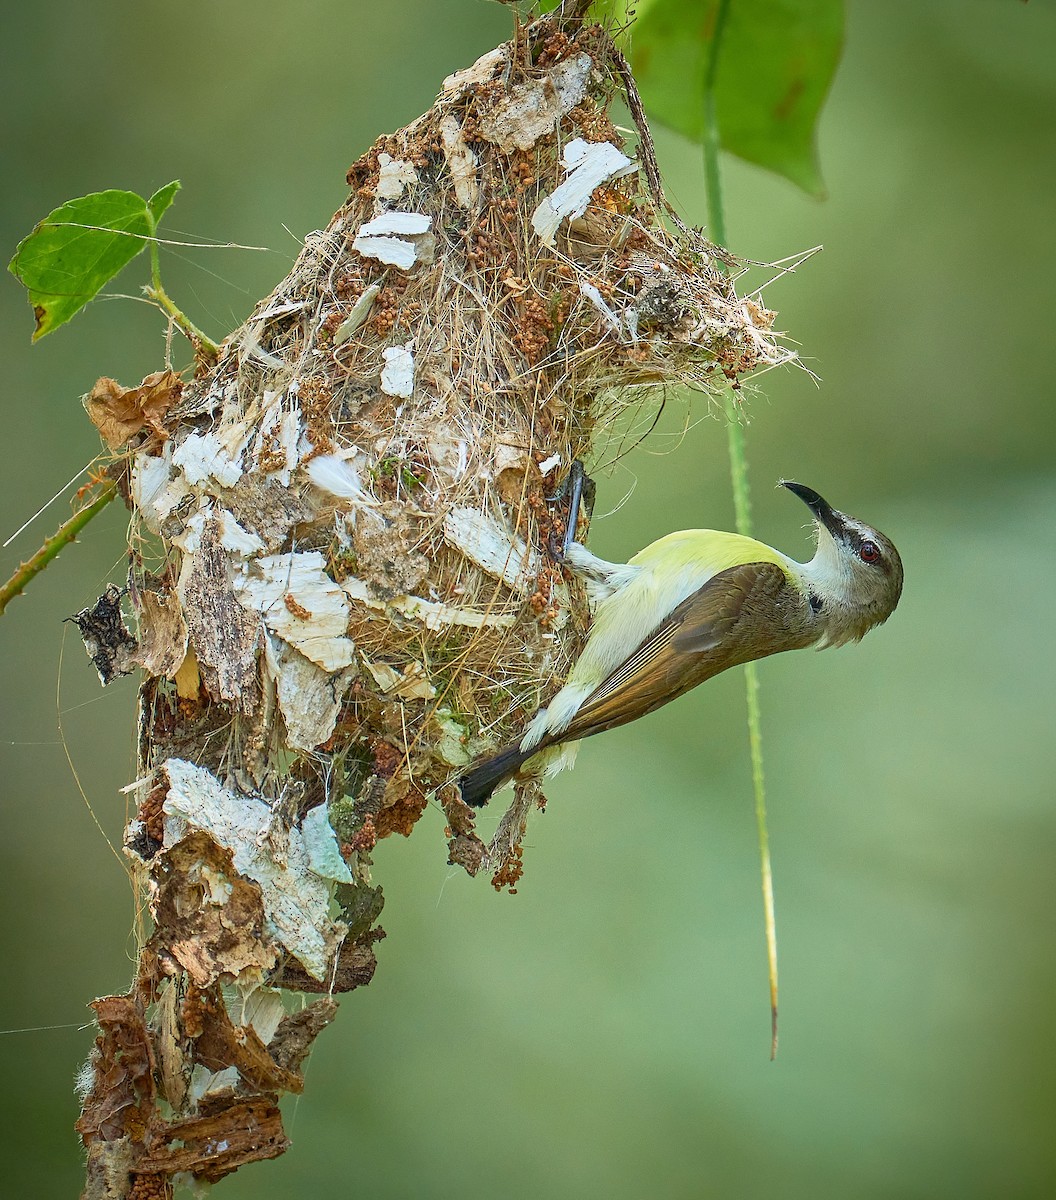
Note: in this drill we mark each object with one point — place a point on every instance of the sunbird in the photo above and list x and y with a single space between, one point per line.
688 606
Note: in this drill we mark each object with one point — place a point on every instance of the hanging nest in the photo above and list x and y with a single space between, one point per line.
361 498
358 505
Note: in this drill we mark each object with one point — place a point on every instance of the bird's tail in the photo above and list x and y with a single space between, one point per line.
478 784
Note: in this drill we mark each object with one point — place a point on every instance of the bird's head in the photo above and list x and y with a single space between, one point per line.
855 576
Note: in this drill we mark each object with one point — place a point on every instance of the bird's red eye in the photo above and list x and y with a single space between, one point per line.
869 552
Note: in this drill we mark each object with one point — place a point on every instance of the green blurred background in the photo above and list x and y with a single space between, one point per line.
604 1033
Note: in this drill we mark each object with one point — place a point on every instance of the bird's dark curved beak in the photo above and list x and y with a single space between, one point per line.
819 506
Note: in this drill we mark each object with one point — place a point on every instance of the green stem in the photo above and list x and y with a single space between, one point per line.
62 536
742 509
160 297
712 175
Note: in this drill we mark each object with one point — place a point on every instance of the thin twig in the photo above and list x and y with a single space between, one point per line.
646 149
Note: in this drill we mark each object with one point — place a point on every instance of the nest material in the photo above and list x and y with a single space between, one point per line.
360 494
358 501
357 506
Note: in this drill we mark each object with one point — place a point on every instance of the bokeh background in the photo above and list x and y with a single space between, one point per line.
604 1033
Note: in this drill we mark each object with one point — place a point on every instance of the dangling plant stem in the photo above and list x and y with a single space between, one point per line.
742 510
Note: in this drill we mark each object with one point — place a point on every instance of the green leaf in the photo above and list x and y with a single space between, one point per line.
162 198
776 65
80 247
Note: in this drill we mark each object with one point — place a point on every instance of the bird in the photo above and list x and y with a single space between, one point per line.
692 604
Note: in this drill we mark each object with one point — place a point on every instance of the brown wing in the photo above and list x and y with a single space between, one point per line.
730 620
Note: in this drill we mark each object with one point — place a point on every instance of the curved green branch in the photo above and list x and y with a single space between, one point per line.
66 533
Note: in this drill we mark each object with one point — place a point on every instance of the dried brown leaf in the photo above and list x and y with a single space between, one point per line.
162 634
210 919
170 1047
223 1044
121 1099
355 967
296 1032
219 1142
119 412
